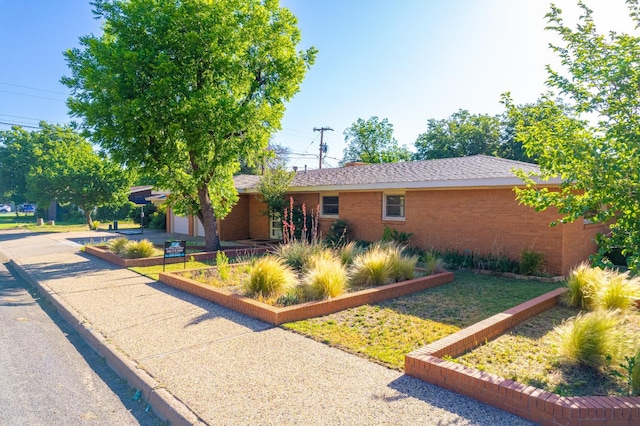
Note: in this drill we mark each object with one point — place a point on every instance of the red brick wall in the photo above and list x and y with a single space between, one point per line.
480 220
579 242
236 225
258 221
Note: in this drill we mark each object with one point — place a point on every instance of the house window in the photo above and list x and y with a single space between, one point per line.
394 207
330 205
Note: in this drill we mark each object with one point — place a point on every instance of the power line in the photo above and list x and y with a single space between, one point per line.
32 96
34 88
6 123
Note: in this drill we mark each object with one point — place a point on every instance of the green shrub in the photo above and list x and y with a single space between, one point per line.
270 276
618 291
583 283
393 235
370 268
339 233
433 264
593 339
531 262
117 245
139 249
326 278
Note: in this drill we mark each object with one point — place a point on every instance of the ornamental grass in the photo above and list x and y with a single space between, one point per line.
138 249
117 245
371 268
270 276
594 339
327 278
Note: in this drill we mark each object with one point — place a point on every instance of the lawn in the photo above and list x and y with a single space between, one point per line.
28 221
386 331
529 354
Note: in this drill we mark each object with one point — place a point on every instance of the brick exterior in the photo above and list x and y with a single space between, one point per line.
236 225
258 221
483 220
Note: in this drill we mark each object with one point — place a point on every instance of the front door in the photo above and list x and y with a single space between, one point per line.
275 227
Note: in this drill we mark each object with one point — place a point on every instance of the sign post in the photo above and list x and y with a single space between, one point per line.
175 249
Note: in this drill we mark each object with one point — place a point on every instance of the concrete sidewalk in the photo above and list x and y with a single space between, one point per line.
199 363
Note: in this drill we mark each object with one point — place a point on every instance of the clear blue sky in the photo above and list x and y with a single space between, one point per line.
405 60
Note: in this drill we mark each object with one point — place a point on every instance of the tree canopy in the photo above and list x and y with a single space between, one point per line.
372 141
61 166
591 142
464 134
16 158
186 89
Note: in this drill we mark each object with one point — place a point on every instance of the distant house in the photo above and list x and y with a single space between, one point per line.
465 203
139 194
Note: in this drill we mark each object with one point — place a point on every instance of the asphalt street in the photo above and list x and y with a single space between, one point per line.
48 374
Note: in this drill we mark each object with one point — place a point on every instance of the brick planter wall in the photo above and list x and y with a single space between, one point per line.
525 401
103 253
306 310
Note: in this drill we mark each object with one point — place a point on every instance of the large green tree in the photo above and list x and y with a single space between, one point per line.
372 141
55 163
67 170
16 158
185 89
464 134
592 141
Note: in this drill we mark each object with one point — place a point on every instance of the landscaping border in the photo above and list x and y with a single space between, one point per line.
277 316
525 401
103 253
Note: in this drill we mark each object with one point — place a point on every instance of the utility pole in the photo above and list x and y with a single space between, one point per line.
322 145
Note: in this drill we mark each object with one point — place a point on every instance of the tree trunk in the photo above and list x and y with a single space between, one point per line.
87 218
208 218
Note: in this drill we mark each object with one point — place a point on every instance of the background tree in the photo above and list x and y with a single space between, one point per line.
67 170
464 134
592 142
371 141
16 158
185 89
273 187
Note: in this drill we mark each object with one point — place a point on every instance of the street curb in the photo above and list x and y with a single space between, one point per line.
166 406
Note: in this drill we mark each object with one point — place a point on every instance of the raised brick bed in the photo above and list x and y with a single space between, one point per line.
306 310
525 401
103 253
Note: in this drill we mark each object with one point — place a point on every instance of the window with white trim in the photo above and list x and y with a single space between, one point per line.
329 205
394 207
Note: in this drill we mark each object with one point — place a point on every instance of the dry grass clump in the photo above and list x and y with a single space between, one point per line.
297 253
595 288
433 264
327 278
594 339
138 249
117 245
371 268
270 276
348 252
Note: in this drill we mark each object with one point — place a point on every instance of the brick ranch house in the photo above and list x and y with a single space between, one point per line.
465 203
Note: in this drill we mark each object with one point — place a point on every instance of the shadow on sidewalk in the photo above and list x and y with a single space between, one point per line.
467 408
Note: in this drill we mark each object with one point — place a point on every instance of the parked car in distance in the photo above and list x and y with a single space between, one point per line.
4 208
27 208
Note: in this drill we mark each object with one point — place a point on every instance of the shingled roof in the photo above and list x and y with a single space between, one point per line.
472 171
